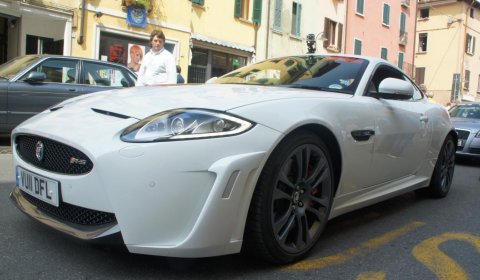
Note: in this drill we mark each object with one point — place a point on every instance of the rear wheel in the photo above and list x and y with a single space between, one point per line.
443 173
292 200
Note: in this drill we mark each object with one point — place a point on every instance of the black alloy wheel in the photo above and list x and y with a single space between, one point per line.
292 200
444 168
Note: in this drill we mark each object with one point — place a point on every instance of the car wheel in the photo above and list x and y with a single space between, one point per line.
443 173
292 200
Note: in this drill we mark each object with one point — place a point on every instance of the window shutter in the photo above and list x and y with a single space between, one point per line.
386 14
473 46
340 35
198 2
358 47
400 60
384 53
403 19
466 84
277 19
238 8
257 11
420 75
299 19
360 6
326 32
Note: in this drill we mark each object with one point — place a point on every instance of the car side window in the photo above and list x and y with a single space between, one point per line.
417 93
56 71
105 75
385 71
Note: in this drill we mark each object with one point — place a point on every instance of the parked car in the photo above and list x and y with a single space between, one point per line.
30 84
466 120
259 159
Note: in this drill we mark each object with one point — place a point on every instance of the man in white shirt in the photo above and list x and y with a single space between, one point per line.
158 65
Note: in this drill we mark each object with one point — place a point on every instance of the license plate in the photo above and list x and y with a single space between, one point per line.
461 142
38 186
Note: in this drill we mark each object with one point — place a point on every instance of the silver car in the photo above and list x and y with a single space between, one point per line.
466 119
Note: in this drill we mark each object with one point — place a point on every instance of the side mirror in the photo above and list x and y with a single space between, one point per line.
211 80
35 77
391 88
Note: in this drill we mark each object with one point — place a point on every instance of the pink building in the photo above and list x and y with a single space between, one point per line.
384 29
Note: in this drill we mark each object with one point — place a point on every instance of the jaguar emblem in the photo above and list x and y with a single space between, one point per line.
39 150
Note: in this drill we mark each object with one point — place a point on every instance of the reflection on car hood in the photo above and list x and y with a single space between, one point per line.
464 123
141 102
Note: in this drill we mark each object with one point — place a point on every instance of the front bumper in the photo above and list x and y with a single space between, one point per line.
179 199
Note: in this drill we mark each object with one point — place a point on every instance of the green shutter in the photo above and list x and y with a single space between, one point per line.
403 21
358 47
257 11
238 8
386 14
384 53
360 6
198 2
400 60
299 19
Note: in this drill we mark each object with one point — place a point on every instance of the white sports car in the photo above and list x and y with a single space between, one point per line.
258 160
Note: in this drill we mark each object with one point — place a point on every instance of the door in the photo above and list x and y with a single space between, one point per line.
26 99
402 132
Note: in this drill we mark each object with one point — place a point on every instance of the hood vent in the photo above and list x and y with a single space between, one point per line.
112 114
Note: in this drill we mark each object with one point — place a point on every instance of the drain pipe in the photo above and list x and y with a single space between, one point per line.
82 23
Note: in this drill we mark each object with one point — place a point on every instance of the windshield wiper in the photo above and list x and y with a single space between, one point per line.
305 87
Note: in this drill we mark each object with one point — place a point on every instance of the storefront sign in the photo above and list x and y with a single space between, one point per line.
137 16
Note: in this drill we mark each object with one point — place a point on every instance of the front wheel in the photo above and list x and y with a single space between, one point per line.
443 173
292 200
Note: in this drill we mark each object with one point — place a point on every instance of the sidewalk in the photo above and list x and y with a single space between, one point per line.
7 173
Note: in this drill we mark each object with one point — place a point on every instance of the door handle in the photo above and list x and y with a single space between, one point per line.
362 135
72 89
424 119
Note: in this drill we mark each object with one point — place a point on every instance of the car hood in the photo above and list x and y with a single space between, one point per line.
141 102
465 123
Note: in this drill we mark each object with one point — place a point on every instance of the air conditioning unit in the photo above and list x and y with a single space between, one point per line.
403 38
405 3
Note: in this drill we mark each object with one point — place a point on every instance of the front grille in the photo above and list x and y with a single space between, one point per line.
71 213
463 134
57 157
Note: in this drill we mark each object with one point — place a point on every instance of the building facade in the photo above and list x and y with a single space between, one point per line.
446 59
207 38
286 24
383 29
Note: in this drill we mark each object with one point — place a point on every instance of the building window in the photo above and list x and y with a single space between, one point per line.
470 44
384 53
400 60
386 14
466 83
478 85
420 75
198 2
296 18
241 9
472 12
333 31
358 47
360 7
403 22
424 13
277 17
422 42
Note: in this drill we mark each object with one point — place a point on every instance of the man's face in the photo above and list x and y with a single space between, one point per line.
157 43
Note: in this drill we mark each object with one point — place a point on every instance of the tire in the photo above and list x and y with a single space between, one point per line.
442 176
292 200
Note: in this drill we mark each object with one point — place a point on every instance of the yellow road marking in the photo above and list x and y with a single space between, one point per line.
371 276
439 263
361 250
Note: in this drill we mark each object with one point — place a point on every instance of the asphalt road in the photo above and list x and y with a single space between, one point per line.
407 237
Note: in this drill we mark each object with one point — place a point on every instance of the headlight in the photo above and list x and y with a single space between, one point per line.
184 124
478 134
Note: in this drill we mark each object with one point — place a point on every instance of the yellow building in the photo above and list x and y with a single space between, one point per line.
207 38
446 59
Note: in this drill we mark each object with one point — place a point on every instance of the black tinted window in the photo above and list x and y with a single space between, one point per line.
57 70
105 75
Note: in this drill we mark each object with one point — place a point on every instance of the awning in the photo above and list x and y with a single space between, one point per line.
222 43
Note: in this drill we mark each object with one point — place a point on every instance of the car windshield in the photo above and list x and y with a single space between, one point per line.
11 68
329 73
467 111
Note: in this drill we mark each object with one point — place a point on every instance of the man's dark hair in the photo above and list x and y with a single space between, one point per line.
157 33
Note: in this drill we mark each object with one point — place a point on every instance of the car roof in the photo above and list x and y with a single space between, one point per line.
43 56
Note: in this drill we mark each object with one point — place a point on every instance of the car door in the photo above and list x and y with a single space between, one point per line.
99 76
402 131
26 99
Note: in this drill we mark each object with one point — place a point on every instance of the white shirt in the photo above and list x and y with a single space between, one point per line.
157 68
